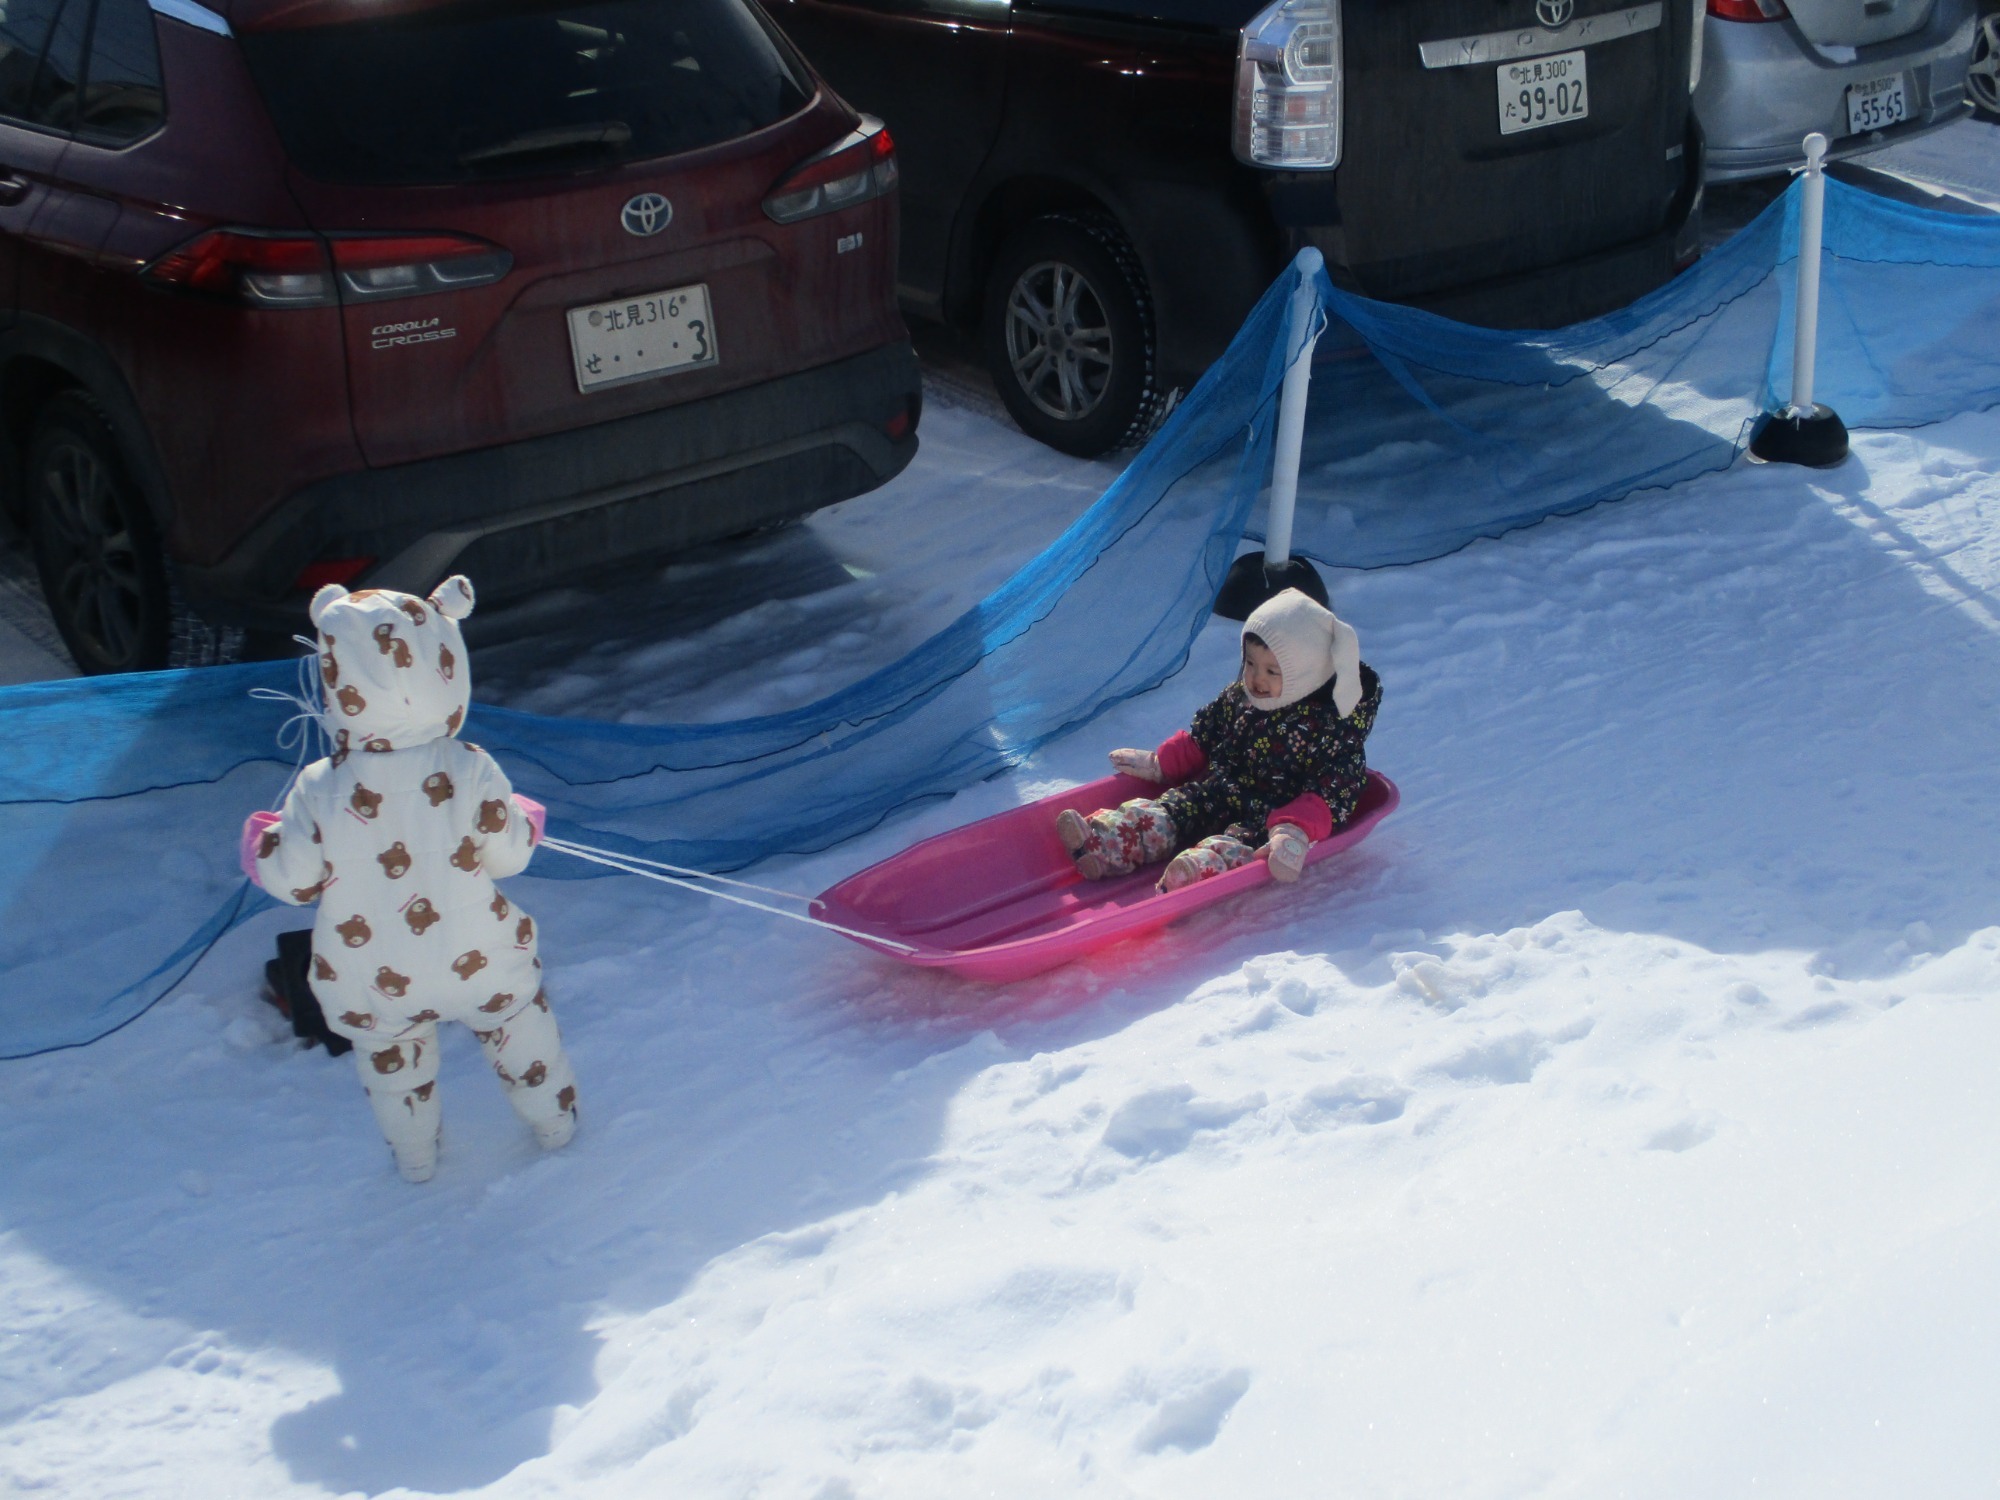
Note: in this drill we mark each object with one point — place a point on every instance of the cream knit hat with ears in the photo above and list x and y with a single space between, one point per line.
1312 645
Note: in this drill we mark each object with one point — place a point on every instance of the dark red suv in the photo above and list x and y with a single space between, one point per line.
370 291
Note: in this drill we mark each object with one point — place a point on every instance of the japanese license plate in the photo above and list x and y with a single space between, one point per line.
1540 91
636 338
1877 103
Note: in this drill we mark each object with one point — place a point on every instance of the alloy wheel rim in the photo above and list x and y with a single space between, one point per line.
1059 342
1983 76
98 584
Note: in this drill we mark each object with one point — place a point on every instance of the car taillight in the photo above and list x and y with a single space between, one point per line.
1747 10
272 270
293 270
1288 86
859 166
315 576
374 268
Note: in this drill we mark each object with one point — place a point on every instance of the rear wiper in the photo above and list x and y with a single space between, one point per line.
606 135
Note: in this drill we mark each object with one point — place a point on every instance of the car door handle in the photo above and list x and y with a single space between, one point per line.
12 189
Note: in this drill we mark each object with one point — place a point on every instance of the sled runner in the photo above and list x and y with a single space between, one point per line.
1000 900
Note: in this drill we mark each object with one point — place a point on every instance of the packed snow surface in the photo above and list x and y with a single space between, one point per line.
1618 1120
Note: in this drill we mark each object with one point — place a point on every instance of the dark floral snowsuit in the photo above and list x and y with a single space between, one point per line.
1259 761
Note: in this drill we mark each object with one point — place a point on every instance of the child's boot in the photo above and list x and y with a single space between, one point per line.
417 1160
1213 856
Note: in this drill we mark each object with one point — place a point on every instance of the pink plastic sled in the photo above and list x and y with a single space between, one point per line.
999 899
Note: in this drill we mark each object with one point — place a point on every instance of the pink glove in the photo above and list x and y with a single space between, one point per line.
254 828
535 813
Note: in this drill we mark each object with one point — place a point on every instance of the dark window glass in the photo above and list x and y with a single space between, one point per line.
24 33
518 90
122 97
53 100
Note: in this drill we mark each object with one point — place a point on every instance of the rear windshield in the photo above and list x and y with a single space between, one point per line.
520 90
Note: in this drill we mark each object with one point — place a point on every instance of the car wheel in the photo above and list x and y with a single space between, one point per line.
96 548
1982 78
1069 335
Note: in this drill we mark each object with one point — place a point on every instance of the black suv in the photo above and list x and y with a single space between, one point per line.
1101 188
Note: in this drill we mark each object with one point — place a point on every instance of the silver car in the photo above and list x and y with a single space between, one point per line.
1982 79
1861 72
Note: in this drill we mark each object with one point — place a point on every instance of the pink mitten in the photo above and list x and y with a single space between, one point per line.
535 813
253 830
1143 764
1288 848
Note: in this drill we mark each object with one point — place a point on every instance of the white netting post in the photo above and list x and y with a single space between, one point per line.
1301 335
1805 432
1812 221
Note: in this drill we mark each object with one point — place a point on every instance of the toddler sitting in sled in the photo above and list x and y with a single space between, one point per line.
1271 766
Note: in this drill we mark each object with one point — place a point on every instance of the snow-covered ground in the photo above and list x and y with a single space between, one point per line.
30 649
1618 1120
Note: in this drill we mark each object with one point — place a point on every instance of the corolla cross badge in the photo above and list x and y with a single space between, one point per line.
1553 14
649 213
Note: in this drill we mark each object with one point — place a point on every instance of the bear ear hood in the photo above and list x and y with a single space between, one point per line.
392 666
453 597
324 600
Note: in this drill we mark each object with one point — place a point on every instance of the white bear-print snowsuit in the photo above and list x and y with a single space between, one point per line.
399 835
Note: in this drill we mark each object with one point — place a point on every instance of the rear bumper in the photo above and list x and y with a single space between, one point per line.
1587 287
1550 295
1763 87
522 515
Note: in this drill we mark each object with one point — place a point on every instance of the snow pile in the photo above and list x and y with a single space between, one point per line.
1617 1120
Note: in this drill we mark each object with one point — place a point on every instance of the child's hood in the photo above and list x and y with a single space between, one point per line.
1313 646
392 666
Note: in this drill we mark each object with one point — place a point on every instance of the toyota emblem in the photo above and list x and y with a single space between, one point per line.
1553 14
649 213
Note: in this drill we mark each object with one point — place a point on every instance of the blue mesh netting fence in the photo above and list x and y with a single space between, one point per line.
121 798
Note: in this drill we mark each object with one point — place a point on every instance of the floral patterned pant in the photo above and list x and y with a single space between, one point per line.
1139 833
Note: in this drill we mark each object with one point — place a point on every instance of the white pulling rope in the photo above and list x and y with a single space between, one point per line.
571 846
298 729
618 863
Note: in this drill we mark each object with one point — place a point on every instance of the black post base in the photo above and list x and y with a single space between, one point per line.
1817 440
1250 583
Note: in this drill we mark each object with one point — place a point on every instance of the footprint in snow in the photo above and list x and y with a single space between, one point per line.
1824 1013
1353 1101
1161 1122
1507 1059
1682 1135
1191 1420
